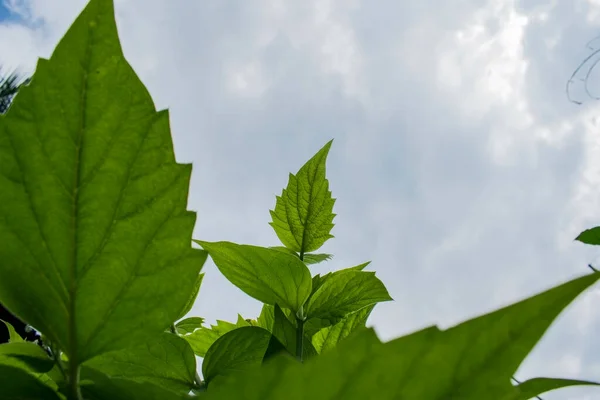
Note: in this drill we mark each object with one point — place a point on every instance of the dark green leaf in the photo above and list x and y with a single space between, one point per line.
16 384
345 292
590 236
93 201
189 325
268 275
303 215
168 362
238 350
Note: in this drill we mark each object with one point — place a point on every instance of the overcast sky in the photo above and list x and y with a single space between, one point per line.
460 167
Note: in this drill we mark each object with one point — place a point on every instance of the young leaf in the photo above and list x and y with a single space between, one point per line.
93 201
201 339
13 336
328 338
18 384
308 258
303 215
268 275
344 293
313 258
168 362
590 236
237 350
189 325
190 303
471 361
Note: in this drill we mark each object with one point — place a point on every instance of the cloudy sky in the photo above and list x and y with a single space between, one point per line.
461 168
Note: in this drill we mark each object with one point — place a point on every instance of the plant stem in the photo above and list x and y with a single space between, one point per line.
299 338
74 391
173 329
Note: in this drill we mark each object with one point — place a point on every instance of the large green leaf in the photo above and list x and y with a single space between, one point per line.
268 275
471 361
168 362
237 350
201 339
345 292
16 384
303 215
99 386
96 239
328 338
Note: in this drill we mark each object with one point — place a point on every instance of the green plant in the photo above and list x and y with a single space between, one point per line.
97 254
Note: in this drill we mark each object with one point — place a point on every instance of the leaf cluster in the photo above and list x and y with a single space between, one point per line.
97 254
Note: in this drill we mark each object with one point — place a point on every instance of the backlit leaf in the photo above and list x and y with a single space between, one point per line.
344 293
328 338
303 215
16 384
471 361
13 336
268 275
192 299
189 325
168 362
96 239
238 350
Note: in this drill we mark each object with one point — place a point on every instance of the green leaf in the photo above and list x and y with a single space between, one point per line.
266 317
471 361
25 355
328 338
308 258
284 330
189 325
303 215
313 258
19 385
201 339
345 292
238 350
93 201
534 387
168 362
98 386
190 303
268 275
590 236
13 336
